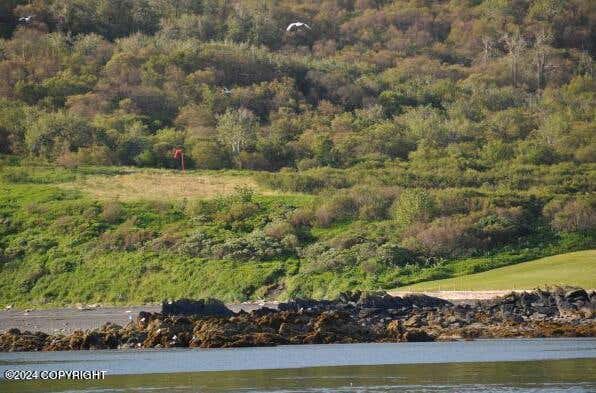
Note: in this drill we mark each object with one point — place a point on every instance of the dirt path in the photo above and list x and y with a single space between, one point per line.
66 320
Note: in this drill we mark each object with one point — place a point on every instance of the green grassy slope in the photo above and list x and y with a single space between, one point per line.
574 268
67 239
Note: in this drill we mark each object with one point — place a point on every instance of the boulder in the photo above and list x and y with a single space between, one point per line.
349 297
577 294
417 335
143 319
169 332
14 340
305 304
394 330
422 300
415 320
257 340
380 301
259 312
290 330
218 332
336 327
58 343
199 308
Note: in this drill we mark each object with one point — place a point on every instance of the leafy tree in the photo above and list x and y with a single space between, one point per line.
237 130
53 133
13 123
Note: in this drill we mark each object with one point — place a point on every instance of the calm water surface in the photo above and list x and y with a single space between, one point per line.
541 365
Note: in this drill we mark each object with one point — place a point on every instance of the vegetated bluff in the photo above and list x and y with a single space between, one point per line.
439 138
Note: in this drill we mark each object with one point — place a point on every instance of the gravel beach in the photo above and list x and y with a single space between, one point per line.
67 320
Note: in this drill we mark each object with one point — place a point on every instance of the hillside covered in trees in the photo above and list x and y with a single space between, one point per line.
421 139
122 82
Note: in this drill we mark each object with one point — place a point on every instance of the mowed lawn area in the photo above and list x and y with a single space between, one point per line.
574 268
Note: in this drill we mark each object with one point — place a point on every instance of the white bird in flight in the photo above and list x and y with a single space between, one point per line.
26 19
297 25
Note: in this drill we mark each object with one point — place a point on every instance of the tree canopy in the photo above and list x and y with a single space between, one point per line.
382 80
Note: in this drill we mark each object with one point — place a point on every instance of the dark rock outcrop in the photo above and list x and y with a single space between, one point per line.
15 340
352 317
199 308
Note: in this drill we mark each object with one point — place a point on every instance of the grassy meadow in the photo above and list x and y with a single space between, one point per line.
165 185
570 269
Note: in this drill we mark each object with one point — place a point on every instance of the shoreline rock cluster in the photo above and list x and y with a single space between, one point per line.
351 318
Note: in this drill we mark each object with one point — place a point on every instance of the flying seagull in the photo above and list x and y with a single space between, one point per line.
297 25
25 19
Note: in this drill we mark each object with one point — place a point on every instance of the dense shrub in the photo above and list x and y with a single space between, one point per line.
112 212
250 247
253 247
40 244
337 208
197 244
65 264
537 154
413 205
35 274
301 217
573 215
238 215
445 237
279 229
64 224
464 235
503 224
313 180
307 163
252 160
209 156
92 155
169 240
365 203
126 237
457 201
348 252
374 202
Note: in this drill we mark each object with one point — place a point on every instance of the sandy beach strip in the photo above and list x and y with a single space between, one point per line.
460 295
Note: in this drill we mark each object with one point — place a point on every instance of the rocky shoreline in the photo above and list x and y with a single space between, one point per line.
352 317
